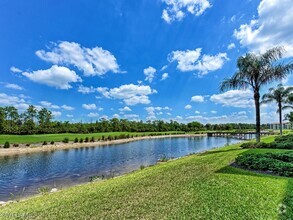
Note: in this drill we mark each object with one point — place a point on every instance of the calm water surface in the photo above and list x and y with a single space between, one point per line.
23 175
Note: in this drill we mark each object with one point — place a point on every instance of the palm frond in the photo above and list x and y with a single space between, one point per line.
277 72
287 107
272 55
268 97
233 83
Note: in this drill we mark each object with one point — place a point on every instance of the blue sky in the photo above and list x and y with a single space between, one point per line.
159 59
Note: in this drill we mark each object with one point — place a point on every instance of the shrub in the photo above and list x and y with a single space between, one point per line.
52 142
95 178
27 145
81 140
276 145
284 138
15 145
76 140
43 190
278 163
142 167
86 139
163 158
65 140
6 145
92 139
45 143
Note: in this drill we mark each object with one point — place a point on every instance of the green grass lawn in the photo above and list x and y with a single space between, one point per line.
201 186
38 138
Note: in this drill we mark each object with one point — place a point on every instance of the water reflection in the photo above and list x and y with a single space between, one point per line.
69 167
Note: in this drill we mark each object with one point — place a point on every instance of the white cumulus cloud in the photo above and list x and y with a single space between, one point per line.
231 46
272 27
234 98
197 98
91 61
131 94
149 73
164 76
89 106
57 76
188 107
17 102
93 115
47 104
192 60
125 109
56 114
86 90
13 86
177 9
15 69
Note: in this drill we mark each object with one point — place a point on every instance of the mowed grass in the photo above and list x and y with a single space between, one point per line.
38 138
201 186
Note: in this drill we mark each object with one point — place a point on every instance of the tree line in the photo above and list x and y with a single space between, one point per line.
33 121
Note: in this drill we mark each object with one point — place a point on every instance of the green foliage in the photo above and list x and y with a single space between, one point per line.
65 140
45 142
95 178
15 145
278 163
6 145
92 139
281 142
81 140
52 142
285 138
86 139
75 140
289 117
163 158
279 95
43 190
2 120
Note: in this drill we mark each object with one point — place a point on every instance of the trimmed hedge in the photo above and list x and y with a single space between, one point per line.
282 142
277 163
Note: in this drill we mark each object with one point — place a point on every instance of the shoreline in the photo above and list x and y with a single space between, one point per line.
36 148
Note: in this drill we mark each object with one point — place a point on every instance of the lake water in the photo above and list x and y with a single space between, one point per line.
23 175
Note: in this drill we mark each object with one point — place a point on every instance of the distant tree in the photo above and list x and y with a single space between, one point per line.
2 120
195 126
280 96
11 114
255 71
44 117
31 113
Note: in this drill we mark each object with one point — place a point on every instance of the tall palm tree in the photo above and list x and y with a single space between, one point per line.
256 70
280 96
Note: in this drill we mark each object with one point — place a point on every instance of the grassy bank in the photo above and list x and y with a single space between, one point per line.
38 138
201 186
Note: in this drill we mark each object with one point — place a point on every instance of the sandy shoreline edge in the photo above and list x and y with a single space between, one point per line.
61 146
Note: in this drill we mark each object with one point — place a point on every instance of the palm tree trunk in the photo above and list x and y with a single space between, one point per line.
257 115
280 119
